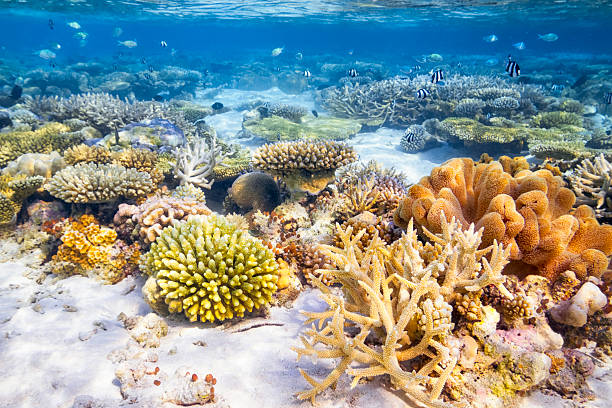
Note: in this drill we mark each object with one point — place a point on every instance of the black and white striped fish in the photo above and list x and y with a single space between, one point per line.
437 76
422 93
307 73
163 44
512 67
608 98
352 72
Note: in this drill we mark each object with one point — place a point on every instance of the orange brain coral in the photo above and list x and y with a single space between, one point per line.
531 212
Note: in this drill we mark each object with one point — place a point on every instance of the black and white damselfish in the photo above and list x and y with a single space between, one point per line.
422 93
437 76
608 98
352 72
512 67
163 44
307 73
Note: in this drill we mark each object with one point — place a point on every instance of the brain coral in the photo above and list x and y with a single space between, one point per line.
209 269
98 183
529 212
305 166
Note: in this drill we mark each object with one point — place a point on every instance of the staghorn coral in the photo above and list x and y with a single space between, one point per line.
98 183
398 297
528 212
87 154
50 137
35 164
591 181
147 220
89 248
195 163
304 166
209 269
105 112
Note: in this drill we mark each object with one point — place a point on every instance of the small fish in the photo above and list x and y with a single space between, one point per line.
315 113
491 62
115 67
128 43
556 87
74 24
350 52
512 67
352 72
16 92
163 44
51 24
410 135
56 46
143 61
173 52
217 106
307 73
46 54
158 98
277 51
608 98
117 31
422 93
52 64
81 35
416 68
150 68
519 45
148 76
299 56
436 76
490 38
550 37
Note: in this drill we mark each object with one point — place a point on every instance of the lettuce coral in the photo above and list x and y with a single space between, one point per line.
528 212
209 269
98 183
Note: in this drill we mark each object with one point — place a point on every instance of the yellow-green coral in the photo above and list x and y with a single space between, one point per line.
276 128
87 154
13 191
53 136
142 160
559 119
209 269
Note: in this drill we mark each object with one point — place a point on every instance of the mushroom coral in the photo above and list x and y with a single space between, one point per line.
530 212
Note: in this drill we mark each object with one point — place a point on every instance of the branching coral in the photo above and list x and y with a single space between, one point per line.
89 247
398 298
13 192
142 160
87 154
592 183
305 166
549 120
209 269
528 212
147 220
98 183
195 163
50 137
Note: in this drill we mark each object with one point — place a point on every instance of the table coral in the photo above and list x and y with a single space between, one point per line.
528 212
208 269
98 183
87 247
305 166
398 297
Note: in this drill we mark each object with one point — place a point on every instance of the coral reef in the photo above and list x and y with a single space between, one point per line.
142 160
276 128
528 212
255 191
558 119
87 154
416 139
398 297
98 183
591 181
89 248
208 269
574 312
13 192
304 166
291 112
146 221
35 164
195 163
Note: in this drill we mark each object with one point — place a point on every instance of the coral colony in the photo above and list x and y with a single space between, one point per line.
478 284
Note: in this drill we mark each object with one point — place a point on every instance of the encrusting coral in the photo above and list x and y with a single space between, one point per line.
398 297
87 247
98 183
208 269
304 166
528 212
146 221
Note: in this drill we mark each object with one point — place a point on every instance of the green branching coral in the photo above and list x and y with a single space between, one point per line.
549 120
53 136
209 269
98 183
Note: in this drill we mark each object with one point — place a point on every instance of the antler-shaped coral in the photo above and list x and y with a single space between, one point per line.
195 162
398 295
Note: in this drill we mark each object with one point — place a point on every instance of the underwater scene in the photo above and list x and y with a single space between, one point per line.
327 203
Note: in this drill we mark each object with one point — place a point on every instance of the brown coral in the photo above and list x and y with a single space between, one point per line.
142 160
87 154
528 212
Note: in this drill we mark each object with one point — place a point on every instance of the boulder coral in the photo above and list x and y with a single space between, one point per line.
530 213
208 269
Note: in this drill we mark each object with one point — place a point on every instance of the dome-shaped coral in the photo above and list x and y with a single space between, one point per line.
209 269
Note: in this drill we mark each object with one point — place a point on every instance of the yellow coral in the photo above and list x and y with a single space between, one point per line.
87 154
